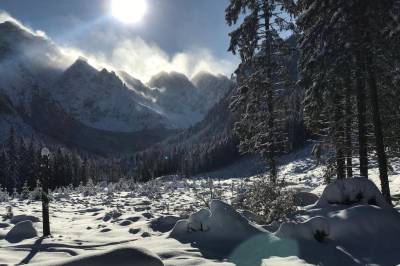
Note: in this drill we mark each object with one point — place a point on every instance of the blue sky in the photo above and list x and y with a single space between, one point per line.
171 28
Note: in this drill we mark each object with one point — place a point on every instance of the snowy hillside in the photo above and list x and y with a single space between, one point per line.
89 109
212 87
27 63
167 222
99 99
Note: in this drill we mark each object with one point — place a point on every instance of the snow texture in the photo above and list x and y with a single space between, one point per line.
350 191
123 256
22 230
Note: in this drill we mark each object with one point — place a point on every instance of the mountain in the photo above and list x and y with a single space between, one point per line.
47 96
27 62
184 102
207 145
211 143
213 88
99 99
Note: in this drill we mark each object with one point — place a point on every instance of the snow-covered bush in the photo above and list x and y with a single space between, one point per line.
36 193
151 189
206 191
87 190
25 192
9 213
15 194
3 195
271 201
349 191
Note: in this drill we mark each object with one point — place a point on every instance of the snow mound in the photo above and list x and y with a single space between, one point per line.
365 222
20 218
288 261
123 256
164 223
317 228
304 198
22 230
199 221
216 232
351 191
4 225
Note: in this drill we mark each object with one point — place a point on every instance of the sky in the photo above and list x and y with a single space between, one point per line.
187 36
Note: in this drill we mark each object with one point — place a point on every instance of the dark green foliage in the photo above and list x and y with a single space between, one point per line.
262 76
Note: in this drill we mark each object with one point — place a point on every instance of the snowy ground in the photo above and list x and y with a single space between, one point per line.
112 226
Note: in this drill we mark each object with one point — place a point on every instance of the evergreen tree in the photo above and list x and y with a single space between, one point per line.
342 37
12 162
3 169
260 75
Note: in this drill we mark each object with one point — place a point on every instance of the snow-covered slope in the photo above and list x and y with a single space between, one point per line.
27 63
168 220
212 87
101 100
185 102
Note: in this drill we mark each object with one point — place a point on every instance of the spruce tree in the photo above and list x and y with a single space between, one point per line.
349 35
12 162
260 76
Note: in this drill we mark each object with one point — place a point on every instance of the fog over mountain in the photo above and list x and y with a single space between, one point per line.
33 66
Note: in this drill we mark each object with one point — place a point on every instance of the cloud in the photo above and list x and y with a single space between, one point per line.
144 60
4 16
137 57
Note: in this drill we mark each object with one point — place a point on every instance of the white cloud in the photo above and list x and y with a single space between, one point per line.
144 60
139 58
4 16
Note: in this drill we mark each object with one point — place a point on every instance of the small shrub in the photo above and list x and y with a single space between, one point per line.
9 213
271 201
3 195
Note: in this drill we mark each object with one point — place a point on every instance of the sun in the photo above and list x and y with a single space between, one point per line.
129 11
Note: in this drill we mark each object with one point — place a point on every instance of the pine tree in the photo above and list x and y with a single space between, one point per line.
260 75
3 169
32 165
348 35
13 162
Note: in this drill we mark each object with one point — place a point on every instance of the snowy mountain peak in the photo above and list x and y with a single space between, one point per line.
172 80
81 67
101 100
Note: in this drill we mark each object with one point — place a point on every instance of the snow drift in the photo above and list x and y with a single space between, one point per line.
22 230
122 256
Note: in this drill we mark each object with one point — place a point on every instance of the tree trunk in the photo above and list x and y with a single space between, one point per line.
339 138
379 143
270 96
348 132
45 196
362 131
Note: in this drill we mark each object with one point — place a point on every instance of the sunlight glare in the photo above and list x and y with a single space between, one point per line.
129 11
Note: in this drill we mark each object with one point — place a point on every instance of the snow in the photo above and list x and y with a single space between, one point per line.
169 219
350 191
130 255
217 231
304 198
304 230
22 230
288 261
20 218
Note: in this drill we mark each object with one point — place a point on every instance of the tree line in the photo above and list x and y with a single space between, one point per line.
20 165
349 74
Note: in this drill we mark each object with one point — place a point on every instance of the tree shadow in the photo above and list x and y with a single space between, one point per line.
34 250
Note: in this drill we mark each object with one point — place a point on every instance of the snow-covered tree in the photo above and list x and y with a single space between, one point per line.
261 74
344 41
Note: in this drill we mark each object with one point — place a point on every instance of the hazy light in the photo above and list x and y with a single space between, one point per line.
129 11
